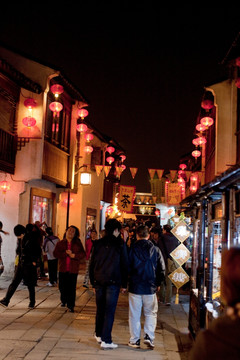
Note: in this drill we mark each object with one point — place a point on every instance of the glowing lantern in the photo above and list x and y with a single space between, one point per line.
207 121
199 141
183 166
85 178
200 127
207 104
110 149
196 154
4 186
238 61
55 107
30 103
82 128
181 172
82 113
56 89
110 159
157 212
193 182
88 137
123 167
29 121
88 149
123 157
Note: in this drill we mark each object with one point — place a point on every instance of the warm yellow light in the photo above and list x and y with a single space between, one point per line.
85 178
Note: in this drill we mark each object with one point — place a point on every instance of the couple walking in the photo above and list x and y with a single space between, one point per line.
111 268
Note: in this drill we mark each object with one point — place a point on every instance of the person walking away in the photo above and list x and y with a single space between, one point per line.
88 249
220 341
146 272
49 245
69 253
1 261
40 234
108 271
167 243
28 251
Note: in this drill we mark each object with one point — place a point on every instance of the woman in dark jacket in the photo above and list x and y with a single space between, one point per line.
108 272
69 252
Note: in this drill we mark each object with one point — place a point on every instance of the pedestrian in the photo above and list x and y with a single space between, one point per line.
146 271
88 249
28 252
167 243
69 252
49 245
108 272
221 340
1 261
40 234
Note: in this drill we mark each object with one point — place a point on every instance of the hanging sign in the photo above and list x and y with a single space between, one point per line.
180 254
126 198
181 231
179 277
173 194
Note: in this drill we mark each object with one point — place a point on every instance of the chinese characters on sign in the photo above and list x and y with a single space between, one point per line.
126 198
174 194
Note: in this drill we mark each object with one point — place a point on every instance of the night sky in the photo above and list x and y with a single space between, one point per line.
142 69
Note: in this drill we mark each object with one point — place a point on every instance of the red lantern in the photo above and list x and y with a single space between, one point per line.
29 121
238 61
30 103
183 166
88 137
4 186
82 113
123 157
157 212
110 159
199 141
88 149
207 121
110 149
82 128
196 154
207 104
55 107
56 89
200 127
123 167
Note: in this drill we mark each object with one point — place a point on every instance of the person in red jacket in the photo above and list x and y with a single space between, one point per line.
69 252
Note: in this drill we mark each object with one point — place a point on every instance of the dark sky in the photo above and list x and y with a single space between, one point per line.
142 68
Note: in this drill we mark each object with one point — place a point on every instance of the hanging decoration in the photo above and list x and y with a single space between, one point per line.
201 128
193 182
110 159
151 173
183 166
126 198
159 173
196 154
57 90
110 149
119 170
82 113
133 171
29 121
88 149
207 104
98 169
55 107
207 121
82 128
123 167
30 103
199 141
107 169
173 174
88 137
4 186
123 157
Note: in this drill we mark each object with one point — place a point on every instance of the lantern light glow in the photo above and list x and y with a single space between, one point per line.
207 121
56 89
110 149
88 149
82 128
82 113
29 121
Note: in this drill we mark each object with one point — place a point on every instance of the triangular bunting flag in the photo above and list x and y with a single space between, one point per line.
119 170
133 171
173 174
107 169
160 173
151 173
188 173
98 169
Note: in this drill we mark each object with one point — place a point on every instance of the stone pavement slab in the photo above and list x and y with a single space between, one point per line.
49 332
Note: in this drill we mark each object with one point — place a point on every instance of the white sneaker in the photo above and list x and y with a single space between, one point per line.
49 284
99 340
108 346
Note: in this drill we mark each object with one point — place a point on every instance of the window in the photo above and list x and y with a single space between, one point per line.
42 206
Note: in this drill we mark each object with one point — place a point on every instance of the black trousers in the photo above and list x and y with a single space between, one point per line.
28 273
52 270
67 288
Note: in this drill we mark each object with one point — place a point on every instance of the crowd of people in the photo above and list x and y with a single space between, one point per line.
131 257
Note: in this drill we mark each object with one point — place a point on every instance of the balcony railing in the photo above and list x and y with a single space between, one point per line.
8 149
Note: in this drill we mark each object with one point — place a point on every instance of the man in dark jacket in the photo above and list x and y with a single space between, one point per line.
147 268
108 271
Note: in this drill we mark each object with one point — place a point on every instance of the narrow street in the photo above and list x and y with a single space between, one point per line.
50 332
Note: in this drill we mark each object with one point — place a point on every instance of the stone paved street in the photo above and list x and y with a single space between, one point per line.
50 332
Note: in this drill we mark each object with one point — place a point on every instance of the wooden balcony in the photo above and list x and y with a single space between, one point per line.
8 149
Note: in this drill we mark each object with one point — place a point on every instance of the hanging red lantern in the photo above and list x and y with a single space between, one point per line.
110 149
200 127
88 137
55 107
56 89
238 61
82 113
123 167
82 128
29 121
207 104
110 159
88 149
123 157
183 166
5 186
199 141
196 154
30 103
207 121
